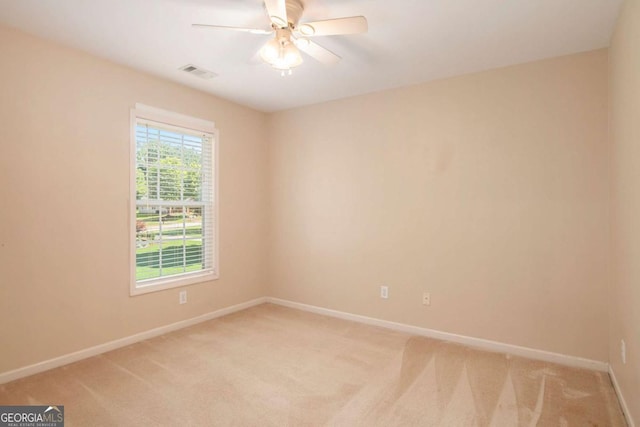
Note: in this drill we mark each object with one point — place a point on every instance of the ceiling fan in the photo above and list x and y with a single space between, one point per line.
291 36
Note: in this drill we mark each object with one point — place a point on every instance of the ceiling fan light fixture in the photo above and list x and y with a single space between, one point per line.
270 51
292 55
281 53
289 57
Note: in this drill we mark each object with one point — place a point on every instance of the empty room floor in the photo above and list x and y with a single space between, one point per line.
274 366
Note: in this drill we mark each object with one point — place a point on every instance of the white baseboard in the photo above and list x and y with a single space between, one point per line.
15 374
623 403
460 339
415 330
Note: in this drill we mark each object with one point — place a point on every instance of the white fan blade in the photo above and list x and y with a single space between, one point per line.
223 27
351 25
277 10
317 52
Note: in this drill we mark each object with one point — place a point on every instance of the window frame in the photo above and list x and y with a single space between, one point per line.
169 118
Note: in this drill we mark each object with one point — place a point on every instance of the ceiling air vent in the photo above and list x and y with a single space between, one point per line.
198 72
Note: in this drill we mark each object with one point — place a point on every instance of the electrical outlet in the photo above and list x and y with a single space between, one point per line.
183 297
426 298
384 292
623 352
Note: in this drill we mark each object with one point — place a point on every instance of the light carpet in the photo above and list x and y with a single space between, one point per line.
276 366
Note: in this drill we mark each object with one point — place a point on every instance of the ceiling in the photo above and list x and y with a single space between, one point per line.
409 41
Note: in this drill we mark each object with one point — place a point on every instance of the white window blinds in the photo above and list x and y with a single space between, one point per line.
174 208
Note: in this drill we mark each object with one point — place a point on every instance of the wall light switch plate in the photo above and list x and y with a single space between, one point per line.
183 297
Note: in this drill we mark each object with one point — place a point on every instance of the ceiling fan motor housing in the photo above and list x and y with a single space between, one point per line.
294 12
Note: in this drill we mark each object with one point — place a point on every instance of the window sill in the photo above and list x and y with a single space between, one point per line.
173 282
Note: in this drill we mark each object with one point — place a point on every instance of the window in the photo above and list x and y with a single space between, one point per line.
173 186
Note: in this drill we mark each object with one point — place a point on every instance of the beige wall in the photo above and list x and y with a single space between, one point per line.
625 140
64 158
489 190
